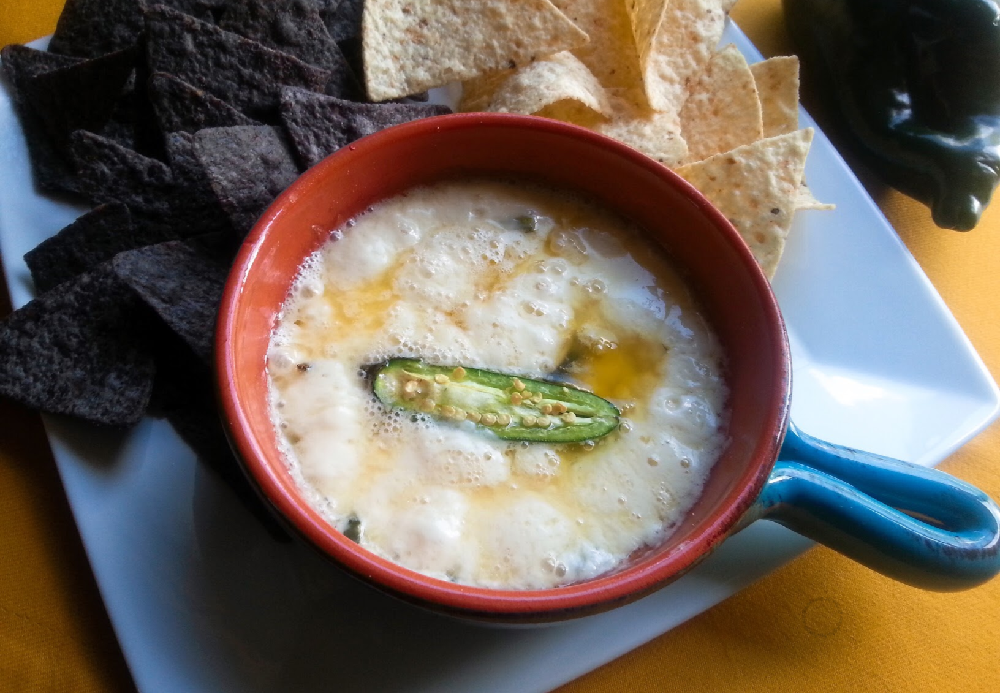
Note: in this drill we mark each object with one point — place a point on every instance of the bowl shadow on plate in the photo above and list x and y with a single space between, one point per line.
100 447
295 621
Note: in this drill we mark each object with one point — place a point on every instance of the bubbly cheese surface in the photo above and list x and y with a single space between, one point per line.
510 278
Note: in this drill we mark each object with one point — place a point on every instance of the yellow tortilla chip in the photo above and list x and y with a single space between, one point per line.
681 46
657 135
722 111
409 47
477 93
646 17
610 54
560 77
756 187
572 112
806 200
777 82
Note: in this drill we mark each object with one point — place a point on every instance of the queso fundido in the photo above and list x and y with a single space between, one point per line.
521 280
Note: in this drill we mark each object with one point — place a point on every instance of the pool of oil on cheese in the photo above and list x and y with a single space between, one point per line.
454 274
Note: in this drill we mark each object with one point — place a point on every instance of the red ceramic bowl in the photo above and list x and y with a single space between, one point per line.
703 244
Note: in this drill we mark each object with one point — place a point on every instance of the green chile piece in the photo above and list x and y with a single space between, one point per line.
508 406
354 530
527 223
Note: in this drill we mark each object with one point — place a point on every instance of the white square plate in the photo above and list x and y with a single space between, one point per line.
202 599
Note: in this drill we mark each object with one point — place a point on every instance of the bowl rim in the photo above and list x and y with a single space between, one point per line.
596 594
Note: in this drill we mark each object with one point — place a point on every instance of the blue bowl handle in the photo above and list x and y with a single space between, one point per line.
914 524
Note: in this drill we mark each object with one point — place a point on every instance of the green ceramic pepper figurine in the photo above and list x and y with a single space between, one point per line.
917 84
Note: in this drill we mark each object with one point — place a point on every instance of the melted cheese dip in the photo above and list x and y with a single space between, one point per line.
454 274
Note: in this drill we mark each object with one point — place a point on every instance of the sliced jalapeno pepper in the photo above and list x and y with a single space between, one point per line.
509 407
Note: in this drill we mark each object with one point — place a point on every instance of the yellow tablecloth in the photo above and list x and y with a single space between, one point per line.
820 624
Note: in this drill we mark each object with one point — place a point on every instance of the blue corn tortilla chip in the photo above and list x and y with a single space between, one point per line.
22 63
181 107
205 10
109 172
79 350
82 96
294 27
51 170
184 163
127 125
182 285
162 202
219 247
192 183
95 237
91 28
320 125
248 167
342 18
148 135
351 49
239 71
